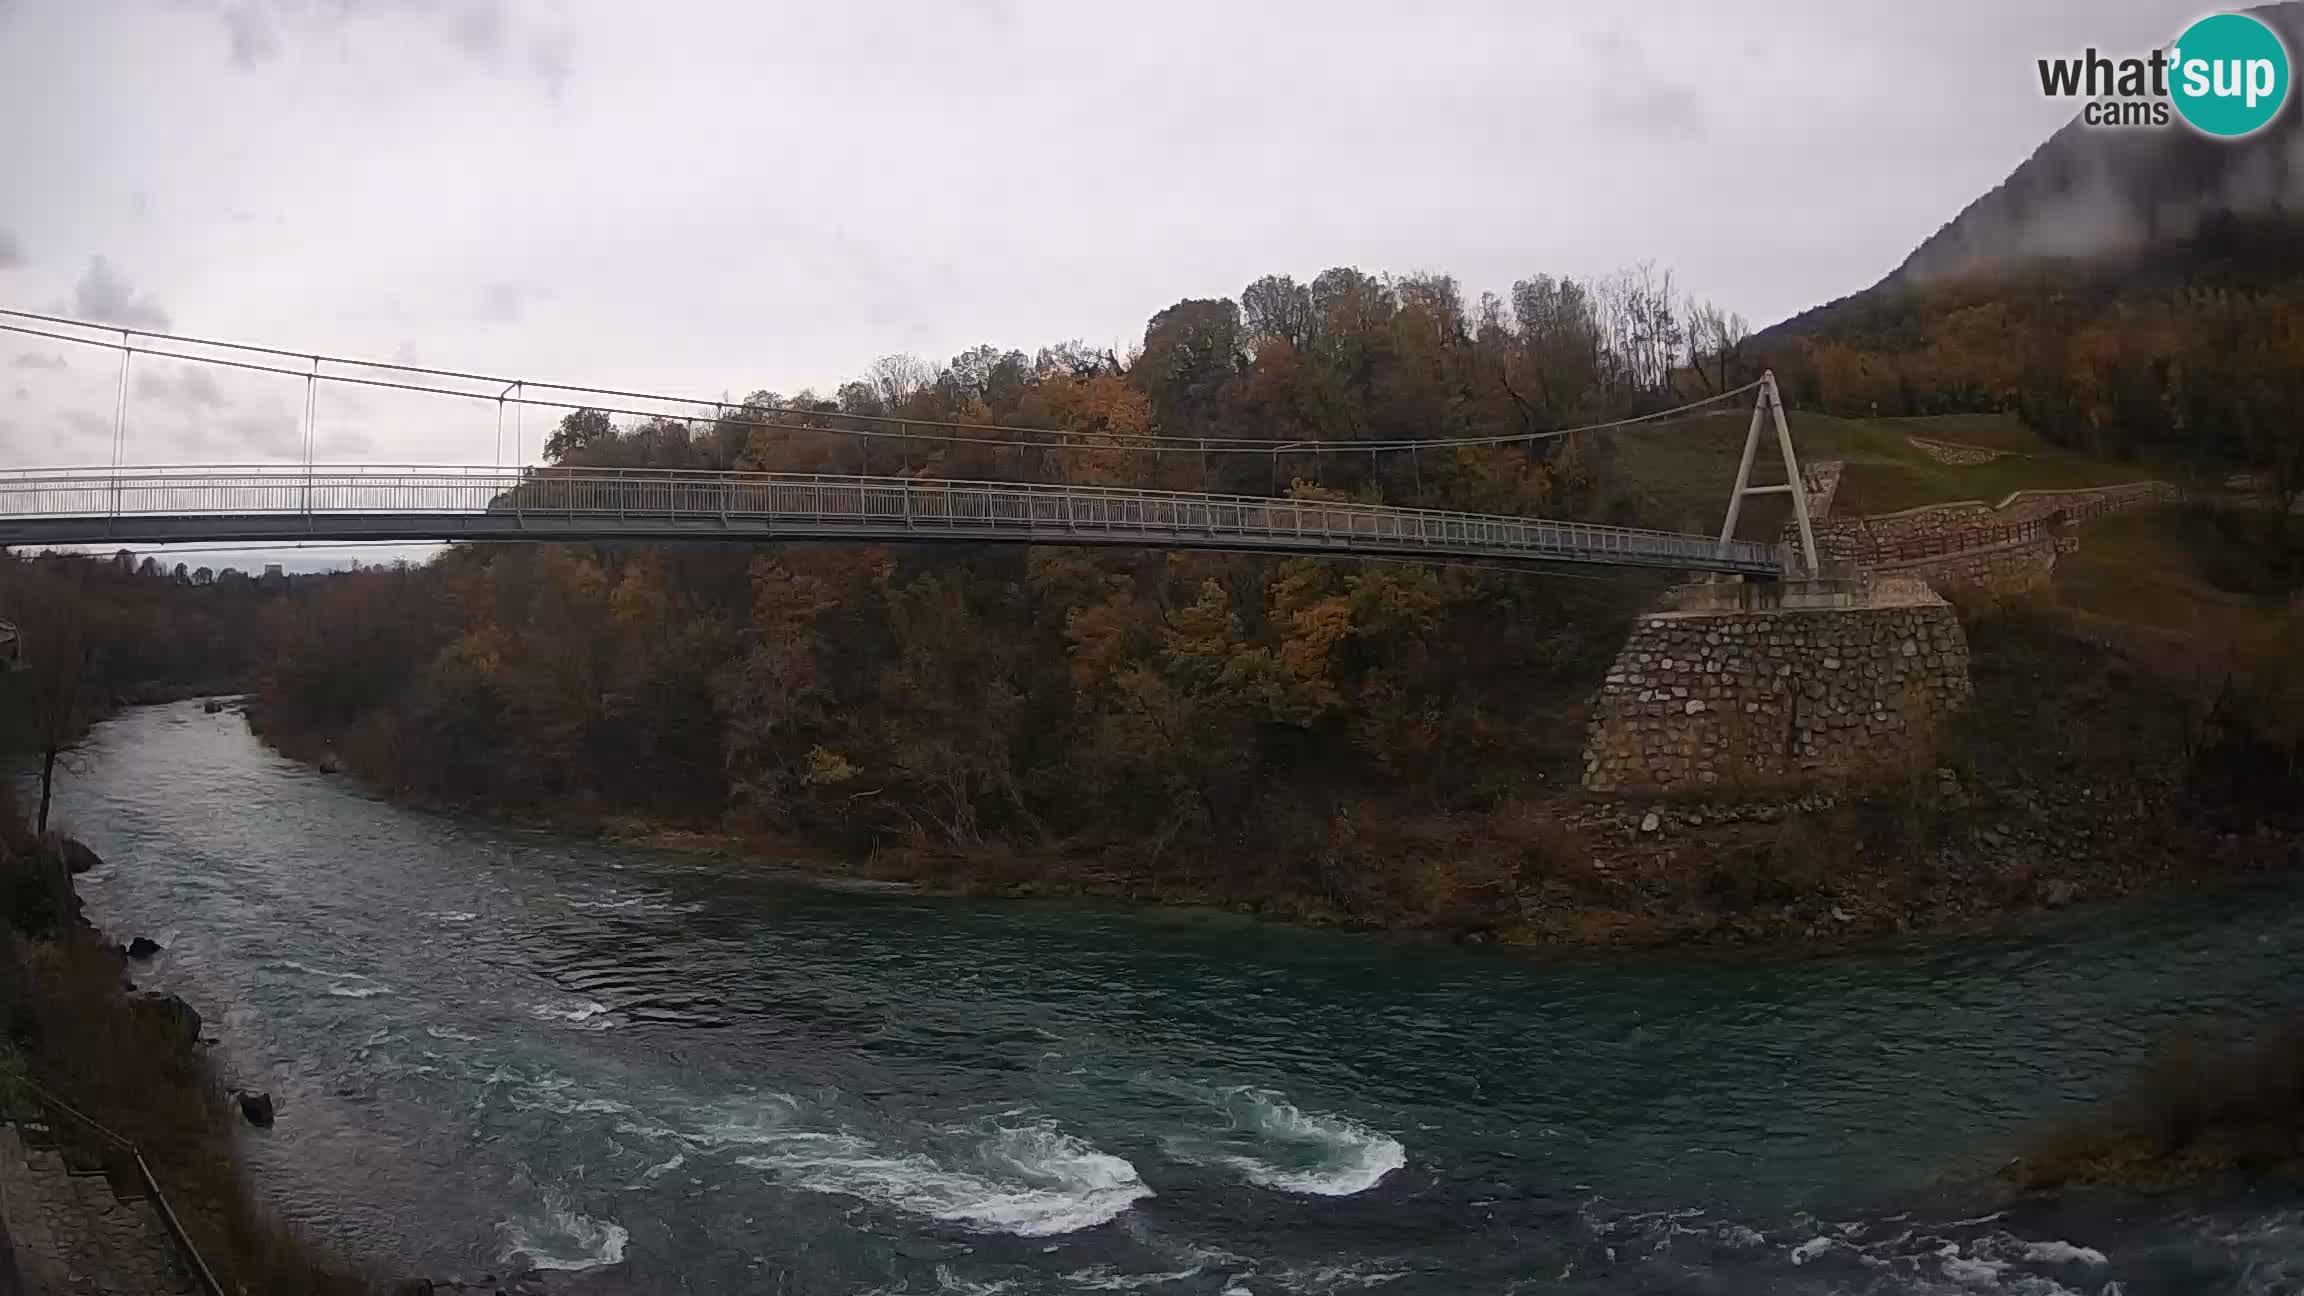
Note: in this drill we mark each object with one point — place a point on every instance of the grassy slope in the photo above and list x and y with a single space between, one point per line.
2135 567
1678 474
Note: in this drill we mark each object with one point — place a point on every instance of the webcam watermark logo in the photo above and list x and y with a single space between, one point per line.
2227 76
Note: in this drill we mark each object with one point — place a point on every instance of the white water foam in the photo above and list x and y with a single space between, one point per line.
1312 1153
1324 1279
450 1033
1029 1179
451 916
358 991
1970 1272
561 1238
1107 1278
309 970
588 1013
2062 1253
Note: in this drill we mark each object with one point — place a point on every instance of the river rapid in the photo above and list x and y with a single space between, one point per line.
664 1073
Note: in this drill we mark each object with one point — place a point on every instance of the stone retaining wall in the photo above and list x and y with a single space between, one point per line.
1953 453
1937 530
1717 702
2008 568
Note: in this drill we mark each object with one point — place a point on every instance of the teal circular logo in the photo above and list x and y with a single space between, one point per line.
2228 75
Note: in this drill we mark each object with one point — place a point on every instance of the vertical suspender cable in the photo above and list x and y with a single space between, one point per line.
311 434
120 420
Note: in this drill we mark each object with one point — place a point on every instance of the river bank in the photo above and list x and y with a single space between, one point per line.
137 1064
145 1065
2075 776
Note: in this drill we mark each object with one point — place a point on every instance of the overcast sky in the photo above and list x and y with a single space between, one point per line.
722 197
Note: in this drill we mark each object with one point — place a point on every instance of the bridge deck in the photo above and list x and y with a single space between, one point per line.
174 505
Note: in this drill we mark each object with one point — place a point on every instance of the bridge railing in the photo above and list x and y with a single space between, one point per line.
826 504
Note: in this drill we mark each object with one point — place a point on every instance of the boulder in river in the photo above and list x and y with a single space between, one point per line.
330 763
77 856
257 1107
143 947
213 706
181 1019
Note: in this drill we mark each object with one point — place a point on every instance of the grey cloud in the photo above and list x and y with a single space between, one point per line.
11 251
23 393
552 57
87 425
251 33
503 301
493 33
1663 110
344 442
273 432
105 295
478 26
37 360
1614 46
189 390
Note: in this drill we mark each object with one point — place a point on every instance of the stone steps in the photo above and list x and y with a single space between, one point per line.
70 1232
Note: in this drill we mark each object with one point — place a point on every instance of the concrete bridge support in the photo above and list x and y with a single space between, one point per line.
1733 688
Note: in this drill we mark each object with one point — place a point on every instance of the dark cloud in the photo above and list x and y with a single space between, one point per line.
11 251
1662 110
37 360
105 295
188 390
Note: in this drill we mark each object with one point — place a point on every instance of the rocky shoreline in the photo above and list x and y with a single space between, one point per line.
179 1041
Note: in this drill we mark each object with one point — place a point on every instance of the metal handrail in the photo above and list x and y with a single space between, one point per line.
898 504
167 1212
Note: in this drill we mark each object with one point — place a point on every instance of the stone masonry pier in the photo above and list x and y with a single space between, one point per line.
1734 686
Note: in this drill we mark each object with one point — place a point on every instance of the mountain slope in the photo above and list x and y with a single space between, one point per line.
2121 198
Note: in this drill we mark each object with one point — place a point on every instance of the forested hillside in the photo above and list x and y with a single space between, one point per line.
2131 293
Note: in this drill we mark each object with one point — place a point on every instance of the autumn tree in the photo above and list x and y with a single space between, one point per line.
579 431
61 683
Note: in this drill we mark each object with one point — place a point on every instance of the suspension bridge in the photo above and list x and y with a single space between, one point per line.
312 502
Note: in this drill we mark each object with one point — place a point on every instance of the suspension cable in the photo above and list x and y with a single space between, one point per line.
776 416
